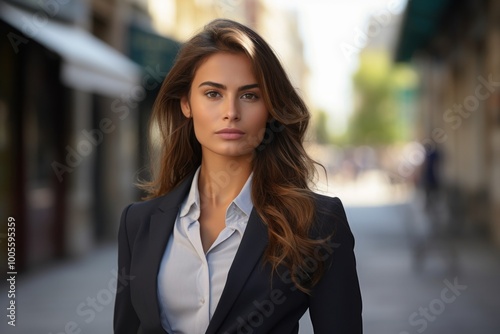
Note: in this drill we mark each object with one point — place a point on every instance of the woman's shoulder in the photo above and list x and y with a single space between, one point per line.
135 214
328 200
331 217
328 206
143 208
171 200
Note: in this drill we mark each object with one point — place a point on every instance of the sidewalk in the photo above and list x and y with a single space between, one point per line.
70 297
436 299
397 299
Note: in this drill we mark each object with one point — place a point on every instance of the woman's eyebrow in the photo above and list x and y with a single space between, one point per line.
248 87
223 87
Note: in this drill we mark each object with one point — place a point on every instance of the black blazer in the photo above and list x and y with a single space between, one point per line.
253 300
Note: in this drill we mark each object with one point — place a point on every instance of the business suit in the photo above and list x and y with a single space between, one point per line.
249 303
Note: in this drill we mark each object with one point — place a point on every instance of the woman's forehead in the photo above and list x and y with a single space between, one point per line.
224 67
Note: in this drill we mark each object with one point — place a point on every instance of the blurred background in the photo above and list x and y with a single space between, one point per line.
405 98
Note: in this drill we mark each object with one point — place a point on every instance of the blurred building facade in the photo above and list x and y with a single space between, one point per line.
72 104
454 47
187 17
280 27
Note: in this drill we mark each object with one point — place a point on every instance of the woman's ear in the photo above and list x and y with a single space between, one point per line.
185 106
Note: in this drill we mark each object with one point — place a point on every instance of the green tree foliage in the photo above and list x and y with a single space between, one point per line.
378 118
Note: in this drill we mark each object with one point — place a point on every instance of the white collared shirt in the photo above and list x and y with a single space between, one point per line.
190 281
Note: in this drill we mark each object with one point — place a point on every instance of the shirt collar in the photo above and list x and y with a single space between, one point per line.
192 202
244 198
193 198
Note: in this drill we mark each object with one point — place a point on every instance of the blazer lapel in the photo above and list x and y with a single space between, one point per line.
249 252
160 228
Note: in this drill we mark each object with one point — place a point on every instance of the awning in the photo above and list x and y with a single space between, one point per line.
420 22
149 49
88 64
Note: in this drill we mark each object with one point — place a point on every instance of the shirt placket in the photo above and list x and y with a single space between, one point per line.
202 278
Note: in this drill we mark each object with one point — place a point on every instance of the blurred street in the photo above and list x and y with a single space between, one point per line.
397 298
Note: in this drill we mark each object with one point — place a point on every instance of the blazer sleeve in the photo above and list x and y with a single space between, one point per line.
125 319
335 303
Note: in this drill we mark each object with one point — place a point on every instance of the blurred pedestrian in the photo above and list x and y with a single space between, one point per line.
431 182
231 238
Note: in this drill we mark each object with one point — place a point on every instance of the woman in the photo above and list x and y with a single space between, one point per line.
232 239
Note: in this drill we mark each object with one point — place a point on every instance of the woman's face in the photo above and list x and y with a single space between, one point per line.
226 104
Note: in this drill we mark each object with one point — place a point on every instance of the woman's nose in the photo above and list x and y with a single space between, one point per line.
232 111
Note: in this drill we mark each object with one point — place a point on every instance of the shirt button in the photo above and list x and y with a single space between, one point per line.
202 300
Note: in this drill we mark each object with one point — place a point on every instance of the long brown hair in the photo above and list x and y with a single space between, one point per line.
282 170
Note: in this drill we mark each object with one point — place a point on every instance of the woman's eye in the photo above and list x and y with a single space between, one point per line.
249 96
212 94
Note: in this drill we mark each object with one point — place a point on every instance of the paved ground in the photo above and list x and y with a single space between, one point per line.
400 300
75 297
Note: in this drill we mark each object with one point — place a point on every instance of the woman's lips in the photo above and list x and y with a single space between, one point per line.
230 133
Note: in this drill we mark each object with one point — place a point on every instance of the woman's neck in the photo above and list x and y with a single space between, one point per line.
221 179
